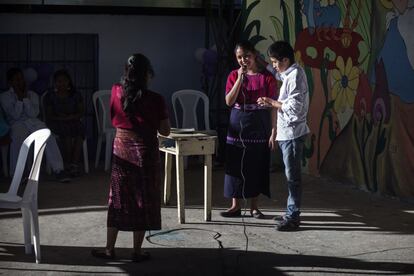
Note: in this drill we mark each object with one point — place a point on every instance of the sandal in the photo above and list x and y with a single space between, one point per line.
257 214
137 258
101 254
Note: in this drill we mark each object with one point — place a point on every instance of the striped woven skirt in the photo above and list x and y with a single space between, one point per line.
247 154
135 195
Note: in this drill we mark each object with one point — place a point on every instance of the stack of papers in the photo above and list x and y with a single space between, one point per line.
182 130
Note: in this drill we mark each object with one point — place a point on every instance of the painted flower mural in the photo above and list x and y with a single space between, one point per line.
363 98
323 55
387 4
381 102
344 85
314 51
298 59
372 110
360 67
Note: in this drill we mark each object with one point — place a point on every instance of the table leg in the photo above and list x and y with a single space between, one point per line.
207 187
167 178
180 188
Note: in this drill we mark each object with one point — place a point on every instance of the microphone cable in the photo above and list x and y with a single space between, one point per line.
242 90
216 237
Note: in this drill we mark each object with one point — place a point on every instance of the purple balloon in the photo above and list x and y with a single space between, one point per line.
40 86
209 63
210 56
44 70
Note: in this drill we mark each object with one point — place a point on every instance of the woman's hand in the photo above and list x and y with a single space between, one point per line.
272 142
241 71
21 95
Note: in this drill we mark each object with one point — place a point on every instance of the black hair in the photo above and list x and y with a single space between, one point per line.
13 72
245 45
280 50
135 81
64 73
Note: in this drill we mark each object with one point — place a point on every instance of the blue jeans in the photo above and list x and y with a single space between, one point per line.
292 156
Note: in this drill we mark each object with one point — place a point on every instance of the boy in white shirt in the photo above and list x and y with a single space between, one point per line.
292 109
21 108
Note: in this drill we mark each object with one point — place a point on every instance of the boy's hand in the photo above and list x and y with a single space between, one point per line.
265 101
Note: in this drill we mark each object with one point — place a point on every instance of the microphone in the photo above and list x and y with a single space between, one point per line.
244 69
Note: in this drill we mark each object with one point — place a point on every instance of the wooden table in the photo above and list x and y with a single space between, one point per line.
181 145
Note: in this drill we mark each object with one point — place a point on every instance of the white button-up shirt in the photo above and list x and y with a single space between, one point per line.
16 110
294 96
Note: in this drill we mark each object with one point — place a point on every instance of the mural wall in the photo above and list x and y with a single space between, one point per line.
359 60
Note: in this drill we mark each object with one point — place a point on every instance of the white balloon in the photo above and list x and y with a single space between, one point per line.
198 54
30 75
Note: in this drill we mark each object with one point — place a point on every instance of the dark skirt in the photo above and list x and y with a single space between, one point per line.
72 128
247 154
135 194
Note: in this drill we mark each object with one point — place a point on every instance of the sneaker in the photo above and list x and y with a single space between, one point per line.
62 177
279 218
288 225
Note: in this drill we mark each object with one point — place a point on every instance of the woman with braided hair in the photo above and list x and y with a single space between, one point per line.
135 195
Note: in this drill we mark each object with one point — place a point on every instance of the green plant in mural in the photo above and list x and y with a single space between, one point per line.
362 123
286 25
308 149
247 30
298 17
327 111
284 30
278 28
381 112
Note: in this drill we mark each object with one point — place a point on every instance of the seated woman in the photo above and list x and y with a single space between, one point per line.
64 110
4 135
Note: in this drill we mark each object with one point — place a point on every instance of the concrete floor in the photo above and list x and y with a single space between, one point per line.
345 231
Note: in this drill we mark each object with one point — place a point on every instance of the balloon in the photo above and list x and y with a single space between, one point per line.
198 54
44 70
30 75
40 86
210 56
209 63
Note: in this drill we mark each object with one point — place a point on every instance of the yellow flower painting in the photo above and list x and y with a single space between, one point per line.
344 85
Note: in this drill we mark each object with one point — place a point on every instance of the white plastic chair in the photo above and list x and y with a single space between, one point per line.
106 132
188 99
28 203
85 141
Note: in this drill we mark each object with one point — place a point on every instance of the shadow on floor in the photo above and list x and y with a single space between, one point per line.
192 261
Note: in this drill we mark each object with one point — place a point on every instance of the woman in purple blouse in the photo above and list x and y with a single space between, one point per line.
250 132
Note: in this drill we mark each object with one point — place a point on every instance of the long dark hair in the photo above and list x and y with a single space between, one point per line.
135 80
246 46
64 73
